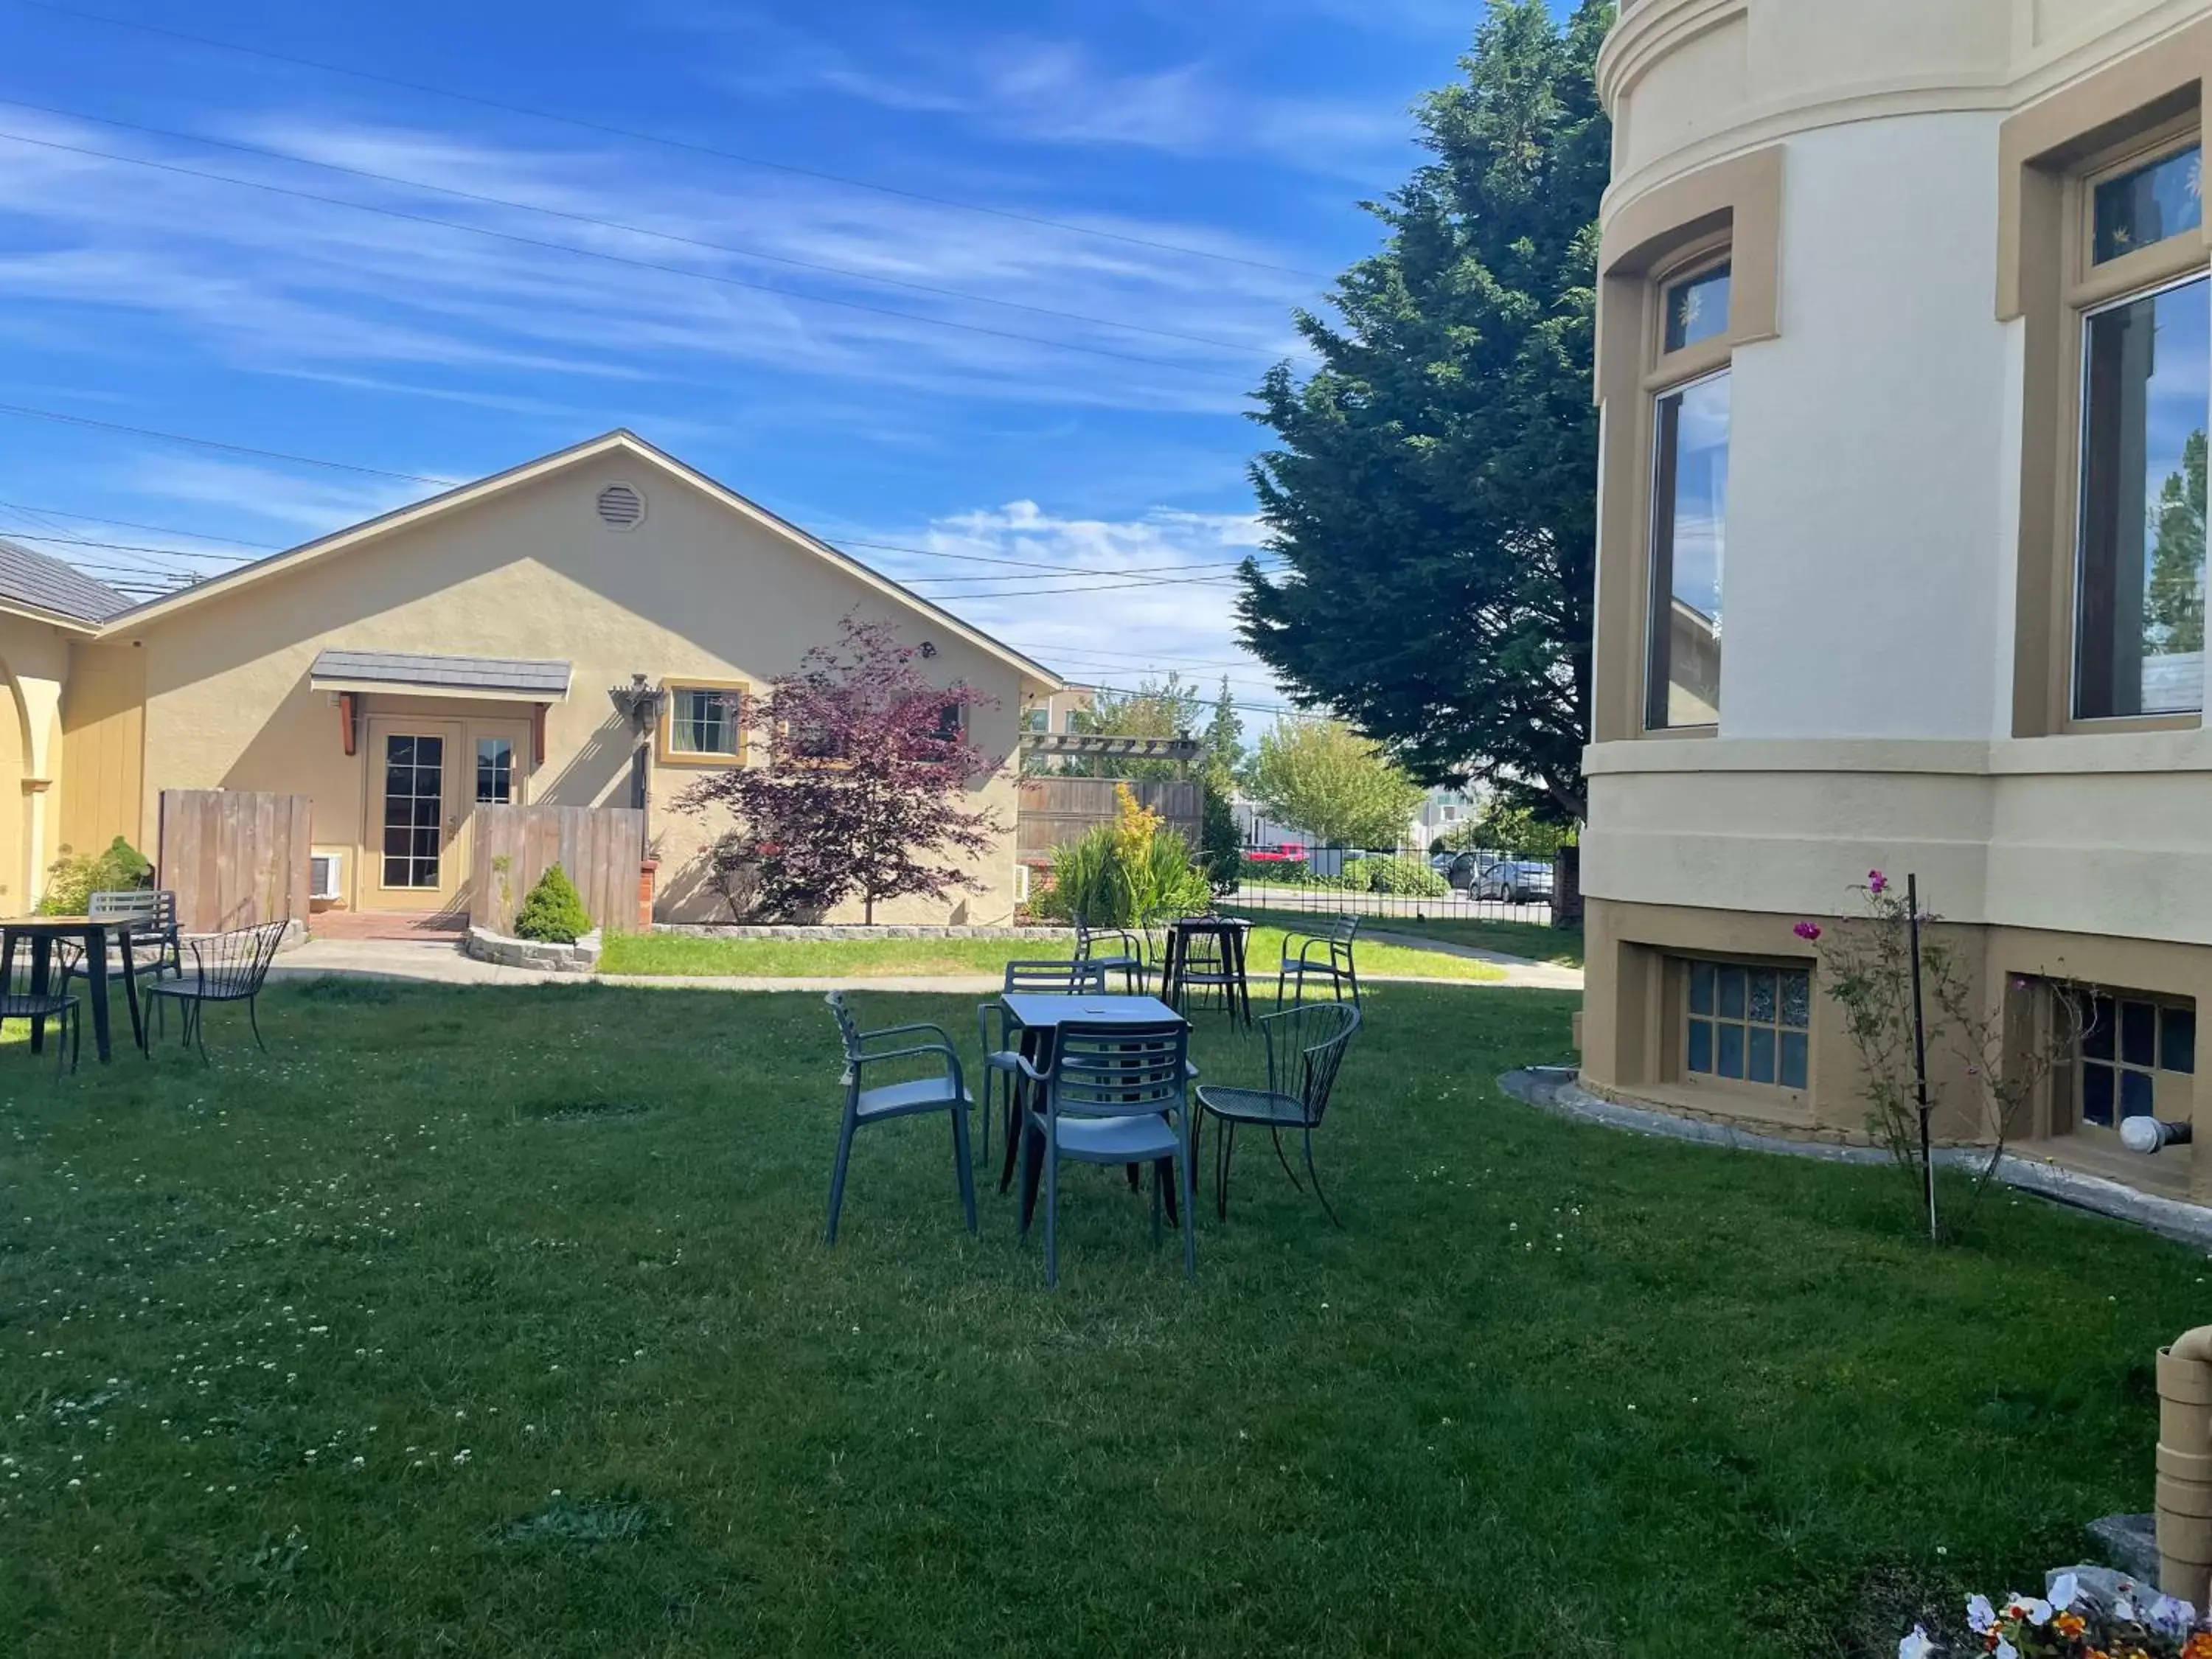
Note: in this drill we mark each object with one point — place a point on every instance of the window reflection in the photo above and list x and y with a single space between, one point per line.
1688 538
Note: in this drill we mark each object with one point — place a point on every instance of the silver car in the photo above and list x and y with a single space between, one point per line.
1517 881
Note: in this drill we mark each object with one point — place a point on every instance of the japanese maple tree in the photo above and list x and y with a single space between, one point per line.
864 791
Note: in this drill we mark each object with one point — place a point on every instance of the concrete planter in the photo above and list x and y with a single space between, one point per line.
508 951
852 930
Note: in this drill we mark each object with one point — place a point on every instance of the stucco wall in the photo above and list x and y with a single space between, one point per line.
531 572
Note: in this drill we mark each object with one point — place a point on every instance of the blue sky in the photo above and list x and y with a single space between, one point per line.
1200 161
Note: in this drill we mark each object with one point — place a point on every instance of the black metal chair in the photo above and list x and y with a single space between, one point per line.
69 1037
1305 1046
224 968
1335 963
1001 1057
1128 958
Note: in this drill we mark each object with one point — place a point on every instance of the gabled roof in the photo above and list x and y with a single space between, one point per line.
34 581
619 441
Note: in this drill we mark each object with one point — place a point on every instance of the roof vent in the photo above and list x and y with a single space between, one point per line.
621 506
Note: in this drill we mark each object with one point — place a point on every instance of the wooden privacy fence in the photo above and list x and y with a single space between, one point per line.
600 847
235 858
1055 809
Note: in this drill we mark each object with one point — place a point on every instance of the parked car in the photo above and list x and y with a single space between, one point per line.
1517 881
1282 853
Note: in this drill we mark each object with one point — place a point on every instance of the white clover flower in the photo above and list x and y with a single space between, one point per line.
1916 1646
1980 1615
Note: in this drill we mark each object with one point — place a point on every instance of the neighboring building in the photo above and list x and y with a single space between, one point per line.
1056 711
1902 353
455 652
1443 813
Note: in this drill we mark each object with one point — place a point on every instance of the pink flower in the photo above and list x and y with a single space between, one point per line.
1876 882
1807 930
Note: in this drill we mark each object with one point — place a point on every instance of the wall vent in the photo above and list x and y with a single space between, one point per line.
621 506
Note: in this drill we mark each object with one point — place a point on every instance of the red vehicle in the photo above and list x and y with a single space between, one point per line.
1289 852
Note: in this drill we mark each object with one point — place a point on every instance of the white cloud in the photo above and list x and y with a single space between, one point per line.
1080 625
282 284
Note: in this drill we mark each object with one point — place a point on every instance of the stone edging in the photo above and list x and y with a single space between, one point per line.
508 951
854 931
1555 1089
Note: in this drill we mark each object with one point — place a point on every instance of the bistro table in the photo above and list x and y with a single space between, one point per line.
93 934
1177 976
1041 1015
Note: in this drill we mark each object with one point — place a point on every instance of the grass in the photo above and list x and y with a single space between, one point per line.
493 1320
776 959
1533 940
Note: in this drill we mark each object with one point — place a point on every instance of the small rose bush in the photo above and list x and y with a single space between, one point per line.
2072 1620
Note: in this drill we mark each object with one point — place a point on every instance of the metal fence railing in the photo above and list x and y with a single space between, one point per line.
1407 883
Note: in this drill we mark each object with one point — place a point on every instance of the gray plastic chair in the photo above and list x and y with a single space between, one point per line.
1334 965
1001 1057
946 1092
1305 1046
1112 1094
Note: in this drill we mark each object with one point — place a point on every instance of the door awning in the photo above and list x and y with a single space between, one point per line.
512 679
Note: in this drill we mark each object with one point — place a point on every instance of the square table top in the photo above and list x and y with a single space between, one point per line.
65 924
1040 1010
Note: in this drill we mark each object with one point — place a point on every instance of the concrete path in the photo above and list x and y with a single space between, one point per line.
446 964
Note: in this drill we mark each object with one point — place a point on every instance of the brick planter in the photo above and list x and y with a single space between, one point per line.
508 951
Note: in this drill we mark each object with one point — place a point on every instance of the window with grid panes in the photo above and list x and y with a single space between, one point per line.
1747 1023
2133 1052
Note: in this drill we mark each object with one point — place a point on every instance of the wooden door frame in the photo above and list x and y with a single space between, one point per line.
374 895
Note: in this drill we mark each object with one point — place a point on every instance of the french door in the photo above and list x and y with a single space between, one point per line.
426 779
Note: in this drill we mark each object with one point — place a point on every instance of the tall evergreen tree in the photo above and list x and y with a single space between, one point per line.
2174 604
1433 496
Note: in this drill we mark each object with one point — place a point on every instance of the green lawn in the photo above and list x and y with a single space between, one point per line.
1531 940
493 1321
776 959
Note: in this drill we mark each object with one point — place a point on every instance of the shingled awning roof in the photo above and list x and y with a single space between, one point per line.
524 678
44 584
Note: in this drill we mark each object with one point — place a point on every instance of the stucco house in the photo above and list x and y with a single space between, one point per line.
1903 348
458 652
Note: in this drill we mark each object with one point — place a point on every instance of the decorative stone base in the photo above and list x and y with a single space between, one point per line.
508 951
824 930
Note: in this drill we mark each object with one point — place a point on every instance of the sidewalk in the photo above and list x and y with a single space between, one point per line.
442 963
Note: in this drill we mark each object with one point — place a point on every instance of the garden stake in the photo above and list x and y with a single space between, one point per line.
1920 1051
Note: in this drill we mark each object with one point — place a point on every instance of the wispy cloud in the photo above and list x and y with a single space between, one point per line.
1086 625
284 284
1058 92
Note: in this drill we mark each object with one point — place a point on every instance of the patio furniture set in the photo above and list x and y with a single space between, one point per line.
134 932
1081 1074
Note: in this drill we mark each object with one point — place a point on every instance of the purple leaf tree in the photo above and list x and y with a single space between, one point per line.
864 787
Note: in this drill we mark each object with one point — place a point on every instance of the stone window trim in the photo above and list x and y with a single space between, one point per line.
1729 211
2050 154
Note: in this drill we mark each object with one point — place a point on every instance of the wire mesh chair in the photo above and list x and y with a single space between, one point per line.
1002 1055
54 1005
1306 1045
1335 963
224 968
946 1091
1112 1094
1127 953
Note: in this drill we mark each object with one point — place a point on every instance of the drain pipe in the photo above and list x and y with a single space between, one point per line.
2184 1465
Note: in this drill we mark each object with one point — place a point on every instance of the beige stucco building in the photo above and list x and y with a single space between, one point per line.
1903 362
454 652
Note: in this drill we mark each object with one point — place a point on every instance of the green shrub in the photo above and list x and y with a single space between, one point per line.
553 913
1122 873
73 878
1404 874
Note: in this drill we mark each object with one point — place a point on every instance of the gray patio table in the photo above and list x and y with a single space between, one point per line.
1041 1015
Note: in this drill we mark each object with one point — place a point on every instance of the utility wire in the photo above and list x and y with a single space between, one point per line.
133 524
601 254
212 443
612 131
848 271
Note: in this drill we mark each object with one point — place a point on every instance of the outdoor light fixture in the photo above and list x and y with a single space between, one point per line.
928 648
639 703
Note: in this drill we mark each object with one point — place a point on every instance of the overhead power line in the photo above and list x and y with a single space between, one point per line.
20 411
603 256
611 130
133 524
848 271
